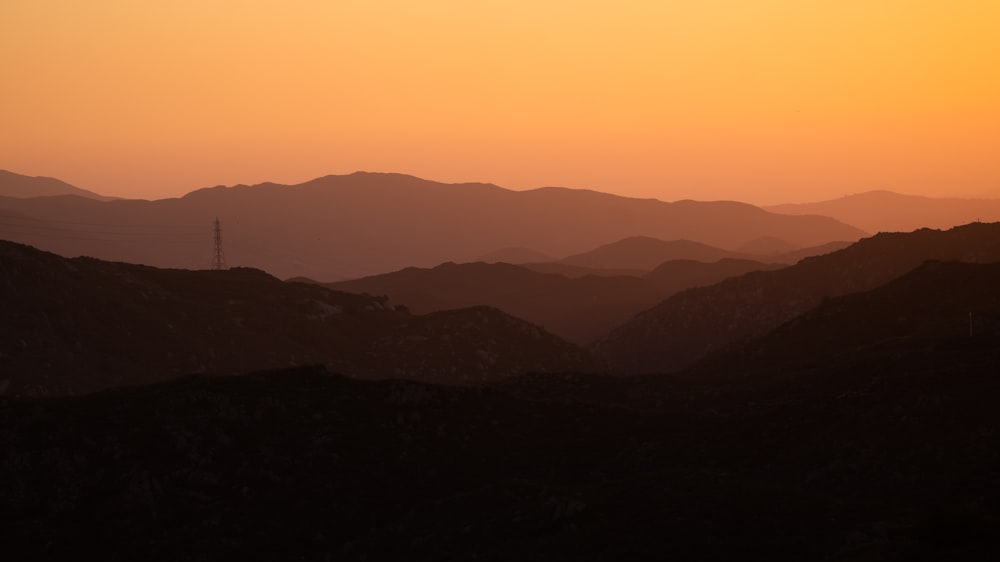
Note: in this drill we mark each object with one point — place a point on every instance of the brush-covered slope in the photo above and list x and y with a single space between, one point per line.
343 227
688 325
868 462
74 325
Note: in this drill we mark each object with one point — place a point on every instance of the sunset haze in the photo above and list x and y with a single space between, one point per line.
764 101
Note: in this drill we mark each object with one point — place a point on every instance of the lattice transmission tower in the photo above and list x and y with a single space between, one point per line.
218 257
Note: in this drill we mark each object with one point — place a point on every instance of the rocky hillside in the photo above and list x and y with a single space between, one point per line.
76 325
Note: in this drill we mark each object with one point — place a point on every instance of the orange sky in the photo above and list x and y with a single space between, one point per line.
759 100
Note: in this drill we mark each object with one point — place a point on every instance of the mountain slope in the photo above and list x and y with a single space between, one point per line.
75 325
342 227
909 321
580 309
687 326
17 185
885 211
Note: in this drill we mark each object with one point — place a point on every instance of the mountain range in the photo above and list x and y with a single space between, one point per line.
837 406
343 227
864 429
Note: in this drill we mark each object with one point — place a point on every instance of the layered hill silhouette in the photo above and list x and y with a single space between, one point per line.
77 325
20 186
886 211
693 323
644 253
580 308
342 227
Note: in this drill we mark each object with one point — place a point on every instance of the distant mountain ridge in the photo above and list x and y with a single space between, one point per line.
342 227
691 324
20 186
887 211
644 253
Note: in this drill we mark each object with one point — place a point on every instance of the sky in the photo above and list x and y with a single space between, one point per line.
764 101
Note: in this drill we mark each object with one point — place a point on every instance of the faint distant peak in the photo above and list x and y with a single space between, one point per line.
889 211
25 187
515 255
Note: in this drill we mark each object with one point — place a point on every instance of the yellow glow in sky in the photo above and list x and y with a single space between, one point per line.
758 100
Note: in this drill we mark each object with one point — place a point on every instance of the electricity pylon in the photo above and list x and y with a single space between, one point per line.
218 258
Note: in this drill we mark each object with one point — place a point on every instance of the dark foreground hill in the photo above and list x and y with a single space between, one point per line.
872 462
693 323
76 325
